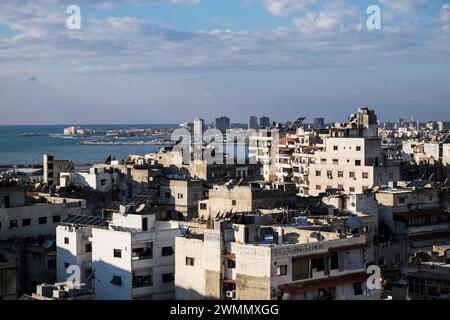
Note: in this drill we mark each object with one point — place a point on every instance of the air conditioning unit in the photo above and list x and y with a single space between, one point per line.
231 294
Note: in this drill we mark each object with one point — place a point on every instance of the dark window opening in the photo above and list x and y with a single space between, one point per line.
167 251
42 220
117 253
116 280
167 277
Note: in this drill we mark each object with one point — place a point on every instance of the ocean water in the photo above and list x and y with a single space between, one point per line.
16 149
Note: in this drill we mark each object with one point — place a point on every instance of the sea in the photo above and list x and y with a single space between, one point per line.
19 149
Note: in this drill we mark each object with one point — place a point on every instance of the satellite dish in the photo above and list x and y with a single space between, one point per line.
141 207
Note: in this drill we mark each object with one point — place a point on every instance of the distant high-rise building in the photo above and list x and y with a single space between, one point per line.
319 122
199 127
223 124
264 122
253 123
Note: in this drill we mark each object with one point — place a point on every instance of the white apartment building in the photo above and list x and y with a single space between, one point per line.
20 219
100 179
131 257
352 165
296 154
248 262
263 147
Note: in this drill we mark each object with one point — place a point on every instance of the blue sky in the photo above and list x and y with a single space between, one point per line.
161 61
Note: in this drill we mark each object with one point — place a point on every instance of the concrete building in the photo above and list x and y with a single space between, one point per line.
264 149
352 165
53 167
249 261
62 291
210 173
9 277
23 218
181 196
246 198
199 127
264 122
411 220
319 122
223 124
252 123
35 259
129 252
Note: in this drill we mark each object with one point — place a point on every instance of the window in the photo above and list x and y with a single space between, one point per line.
117 253
190 261
402 200
13 224
282 270
144 224
66 240
0 225
318 173
330 175
51 264
335 161
352 189
318 187
66 265
351 174
231 264
335 148
430 197
357 288
318 264
365 175
167 251
88 247
103 182
142 281
7 201
340 187
203 206
358 148
167 196
357 163
116 280
334 261
340 174
26 222
42 220
323 160
233 202
56 219
180 196
167 277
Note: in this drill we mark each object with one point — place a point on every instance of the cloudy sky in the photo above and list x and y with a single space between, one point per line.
168 61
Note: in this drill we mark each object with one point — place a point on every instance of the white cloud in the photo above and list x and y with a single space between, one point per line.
404 5
328 37
287 7
334 16
445 16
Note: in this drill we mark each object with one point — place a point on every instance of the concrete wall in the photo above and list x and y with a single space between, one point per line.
107 266
34 212
202 280
8 278
73 253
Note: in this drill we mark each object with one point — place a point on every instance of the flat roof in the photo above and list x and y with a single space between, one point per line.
86 221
